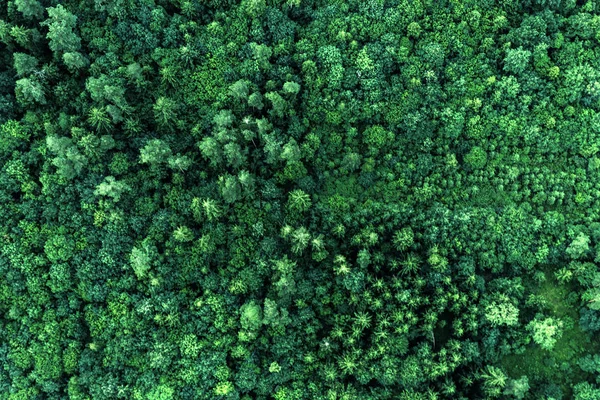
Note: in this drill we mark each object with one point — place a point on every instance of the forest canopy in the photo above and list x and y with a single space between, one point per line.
299 199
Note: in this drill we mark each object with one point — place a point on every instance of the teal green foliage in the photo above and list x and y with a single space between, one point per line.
251 316
24 64
476 158
69 161
517 388
546 331
61 23
30 91
155 152
30 8
75 61
112 188
299 199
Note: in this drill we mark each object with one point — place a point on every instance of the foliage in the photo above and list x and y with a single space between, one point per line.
299 199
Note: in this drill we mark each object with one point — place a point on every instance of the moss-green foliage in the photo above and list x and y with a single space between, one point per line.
559 363
299 199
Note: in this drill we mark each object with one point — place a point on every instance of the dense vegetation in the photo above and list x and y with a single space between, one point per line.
299 199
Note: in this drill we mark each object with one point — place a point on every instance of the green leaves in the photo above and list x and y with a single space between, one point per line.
60 278
517 60
112 188
403 238
69 161
476 158
141 259
298 201
59 247
24 64
499 314
165 112
546 331
278 104
12 134
183 234
30 91
75 61
30 8
98 118
61 24
231 190
205 208
155 152
578 247
376 137
251 316
256 101
161 392
240 89
494 379
291 87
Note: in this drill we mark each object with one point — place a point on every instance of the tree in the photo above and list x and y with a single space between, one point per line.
69 161
278 103
476 158
230 188
155 152
517 60
298 201
254 8
211 150
29 91
546 331
376 137
586 391
240 89
99 119
75 60
255 101
300 240
234 155
161 392
30 8
291 87
251 316
579 246
211 209
60 277
141 259
61 24
403 238
183 234
112 188
59 248
179 162
517 387
504 313
24 64
494 379
165 112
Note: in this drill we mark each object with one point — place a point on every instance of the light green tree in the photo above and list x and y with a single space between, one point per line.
30 8
251 317
517 387
298 201
579 246
60 30
155 152
112 188
502 314
546 331
183 234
